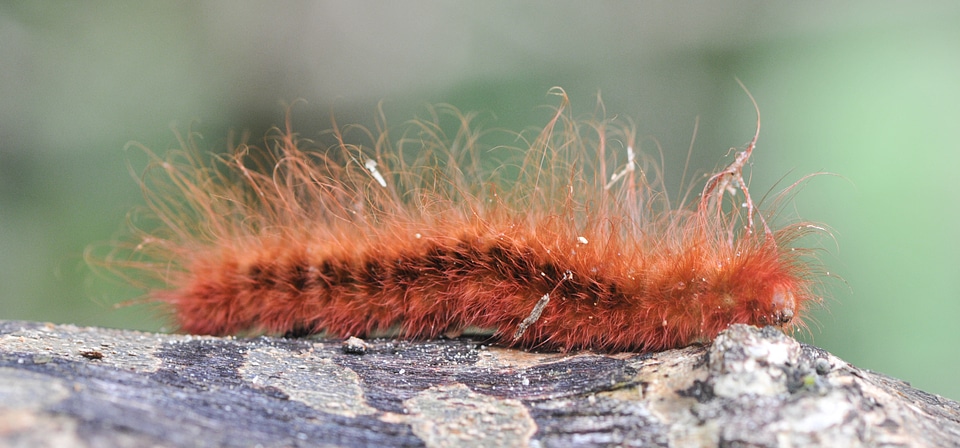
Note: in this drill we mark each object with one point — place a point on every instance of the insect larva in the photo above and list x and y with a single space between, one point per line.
574 245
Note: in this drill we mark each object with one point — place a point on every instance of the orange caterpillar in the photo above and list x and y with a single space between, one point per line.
572 246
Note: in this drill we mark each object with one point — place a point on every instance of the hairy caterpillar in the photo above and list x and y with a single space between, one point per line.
575 245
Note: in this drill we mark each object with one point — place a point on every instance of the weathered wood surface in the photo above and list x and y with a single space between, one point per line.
66 386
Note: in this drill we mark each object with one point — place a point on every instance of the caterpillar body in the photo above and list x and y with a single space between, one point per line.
575 245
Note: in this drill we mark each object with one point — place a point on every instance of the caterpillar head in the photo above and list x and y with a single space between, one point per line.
767 295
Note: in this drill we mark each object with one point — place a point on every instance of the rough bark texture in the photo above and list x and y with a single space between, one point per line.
66 386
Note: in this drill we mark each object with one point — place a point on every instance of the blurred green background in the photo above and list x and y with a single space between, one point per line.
868 90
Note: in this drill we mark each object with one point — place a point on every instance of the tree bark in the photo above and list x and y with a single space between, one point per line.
62 385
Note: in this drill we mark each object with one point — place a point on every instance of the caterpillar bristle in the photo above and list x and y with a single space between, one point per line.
574 244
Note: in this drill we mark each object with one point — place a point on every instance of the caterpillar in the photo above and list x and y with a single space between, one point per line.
569 242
